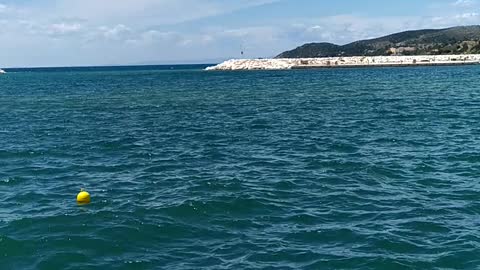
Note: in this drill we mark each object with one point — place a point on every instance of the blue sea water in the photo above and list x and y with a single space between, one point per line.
308 169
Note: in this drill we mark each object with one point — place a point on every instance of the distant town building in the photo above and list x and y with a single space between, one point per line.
402 50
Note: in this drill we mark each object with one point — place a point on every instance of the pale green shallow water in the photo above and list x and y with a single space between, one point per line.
315 169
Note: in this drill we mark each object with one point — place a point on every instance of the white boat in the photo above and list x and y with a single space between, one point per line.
2 71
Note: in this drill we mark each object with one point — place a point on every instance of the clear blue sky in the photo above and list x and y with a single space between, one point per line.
103 32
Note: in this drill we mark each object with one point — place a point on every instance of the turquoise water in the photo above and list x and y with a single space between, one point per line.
314 169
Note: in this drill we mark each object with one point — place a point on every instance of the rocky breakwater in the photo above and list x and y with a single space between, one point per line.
339 62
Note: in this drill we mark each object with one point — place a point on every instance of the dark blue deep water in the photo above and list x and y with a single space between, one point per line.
309 169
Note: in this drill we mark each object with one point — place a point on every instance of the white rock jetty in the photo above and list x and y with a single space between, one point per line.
355 61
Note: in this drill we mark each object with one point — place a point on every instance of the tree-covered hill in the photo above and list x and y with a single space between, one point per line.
455 40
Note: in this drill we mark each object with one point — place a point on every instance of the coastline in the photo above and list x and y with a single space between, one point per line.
347 62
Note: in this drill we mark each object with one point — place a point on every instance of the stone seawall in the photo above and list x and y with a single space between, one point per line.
338 62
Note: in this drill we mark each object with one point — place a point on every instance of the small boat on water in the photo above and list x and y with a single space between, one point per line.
2 71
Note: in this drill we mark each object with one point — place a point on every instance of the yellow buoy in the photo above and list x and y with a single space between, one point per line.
83 197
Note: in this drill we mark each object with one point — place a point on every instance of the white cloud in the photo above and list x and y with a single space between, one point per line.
463 3
145 12
64 28
468 15
117 32
9 11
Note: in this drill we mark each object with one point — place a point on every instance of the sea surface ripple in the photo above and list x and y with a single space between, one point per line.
312 169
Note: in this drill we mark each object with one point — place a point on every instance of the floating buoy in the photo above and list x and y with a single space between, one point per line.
83 197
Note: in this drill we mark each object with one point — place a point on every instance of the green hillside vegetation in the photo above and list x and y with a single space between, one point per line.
455 40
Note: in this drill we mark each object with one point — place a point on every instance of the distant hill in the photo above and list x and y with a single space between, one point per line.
455 40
